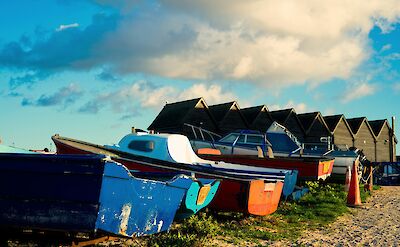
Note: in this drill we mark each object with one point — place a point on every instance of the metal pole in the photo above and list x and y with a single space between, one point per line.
392 140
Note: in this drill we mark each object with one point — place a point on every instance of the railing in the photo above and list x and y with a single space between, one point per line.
213 136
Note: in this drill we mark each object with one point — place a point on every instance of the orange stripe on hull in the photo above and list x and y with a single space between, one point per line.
264 197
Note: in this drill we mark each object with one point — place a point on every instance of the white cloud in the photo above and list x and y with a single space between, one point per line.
298 107
357 91
64 27
269 43
148 96
386 47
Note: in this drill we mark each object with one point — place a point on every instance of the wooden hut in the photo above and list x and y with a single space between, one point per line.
173 117
289 119
364 137
342 135
258 117
314 126
383 149
228 117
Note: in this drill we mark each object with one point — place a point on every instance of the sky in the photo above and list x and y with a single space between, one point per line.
92 69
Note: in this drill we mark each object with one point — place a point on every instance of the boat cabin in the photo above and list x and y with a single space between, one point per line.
169 147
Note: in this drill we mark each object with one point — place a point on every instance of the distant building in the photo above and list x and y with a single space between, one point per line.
258 117
228 117
289 119
364 137
314 126
342 135
173 117
383 145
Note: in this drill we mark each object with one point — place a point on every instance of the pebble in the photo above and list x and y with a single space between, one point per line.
376 224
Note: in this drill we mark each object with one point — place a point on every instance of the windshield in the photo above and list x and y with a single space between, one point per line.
281 142
232 137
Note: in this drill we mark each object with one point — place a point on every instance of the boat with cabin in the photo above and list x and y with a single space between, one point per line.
243 188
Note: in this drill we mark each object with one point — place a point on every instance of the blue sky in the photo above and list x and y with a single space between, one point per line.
92 69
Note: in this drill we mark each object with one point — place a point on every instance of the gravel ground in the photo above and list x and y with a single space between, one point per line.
376 223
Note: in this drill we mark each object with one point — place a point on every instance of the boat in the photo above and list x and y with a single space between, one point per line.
248 190
281 143
88 194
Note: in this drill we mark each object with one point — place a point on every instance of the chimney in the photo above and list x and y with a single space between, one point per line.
392 140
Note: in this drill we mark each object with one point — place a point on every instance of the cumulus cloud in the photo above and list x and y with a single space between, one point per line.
145 95
65 96
268 43
298 107
64 27
357 91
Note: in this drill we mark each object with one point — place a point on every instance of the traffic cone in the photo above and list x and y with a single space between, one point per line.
347 180
353 197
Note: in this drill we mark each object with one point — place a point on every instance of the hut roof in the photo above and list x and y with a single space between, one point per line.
333 121
355 124
281 116
251 113
377 126
308 120
220 111
173 114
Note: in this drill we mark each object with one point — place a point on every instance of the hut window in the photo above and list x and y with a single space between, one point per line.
144 146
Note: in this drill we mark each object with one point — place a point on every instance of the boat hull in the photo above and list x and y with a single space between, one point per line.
71 193
308 169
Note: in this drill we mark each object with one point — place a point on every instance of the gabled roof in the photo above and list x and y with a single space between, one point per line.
333 122
281 116
377 126
220 111
355 124
308 120
173 114
251 113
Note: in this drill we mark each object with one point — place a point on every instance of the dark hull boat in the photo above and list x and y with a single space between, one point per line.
84 194
250 191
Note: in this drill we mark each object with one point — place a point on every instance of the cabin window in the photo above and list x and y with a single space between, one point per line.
229 138
232 137
255 139
143 146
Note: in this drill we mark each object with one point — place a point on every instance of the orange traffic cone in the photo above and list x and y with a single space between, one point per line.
347 181
353 197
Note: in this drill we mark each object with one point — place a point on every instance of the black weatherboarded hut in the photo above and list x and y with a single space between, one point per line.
258 117
314 126
173 116
364 137
228 117
342 135
289 119
383 148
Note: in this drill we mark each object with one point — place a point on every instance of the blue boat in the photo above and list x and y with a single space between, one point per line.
84 194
